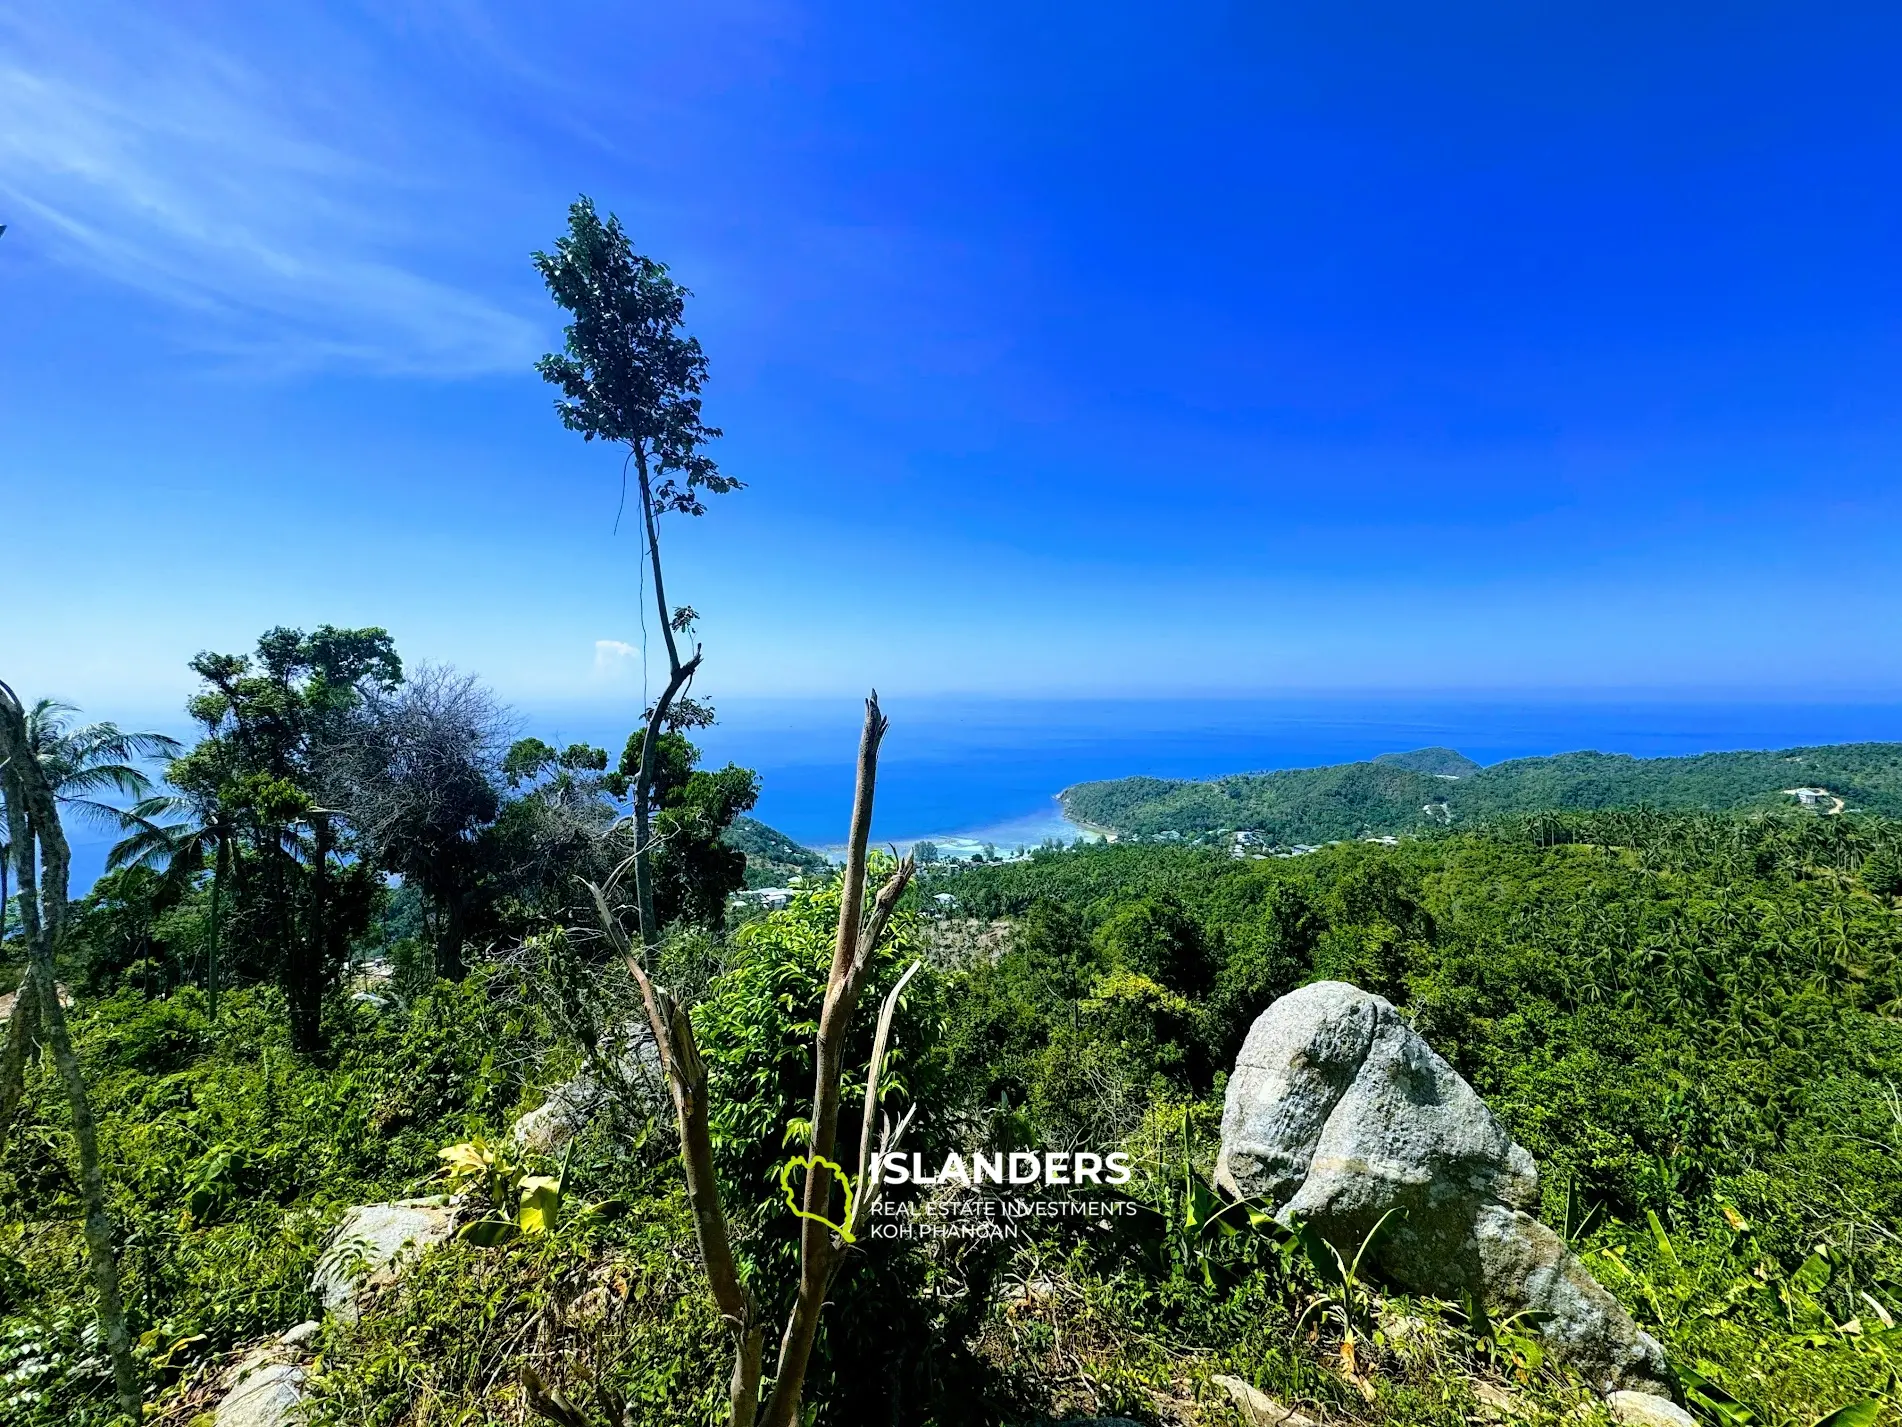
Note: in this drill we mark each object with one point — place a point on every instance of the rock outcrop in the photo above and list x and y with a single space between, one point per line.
1644 1409
1339 1112
266 1387
571 1105
1257 1408
371 1244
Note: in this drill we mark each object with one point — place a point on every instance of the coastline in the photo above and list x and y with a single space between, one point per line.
1005 836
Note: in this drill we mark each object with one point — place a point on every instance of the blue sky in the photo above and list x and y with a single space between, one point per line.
1065 349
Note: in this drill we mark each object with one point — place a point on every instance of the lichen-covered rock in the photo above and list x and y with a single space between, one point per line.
269 1397
1644 1409
371 1245
1525 1266
550 1126
263 1390
1257 1408
1339 1113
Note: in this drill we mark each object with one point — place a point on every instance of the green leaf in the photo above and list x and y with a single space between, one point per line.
541 1205
1663 1239
1702 1391
1813 1275
489 1233
1865 1413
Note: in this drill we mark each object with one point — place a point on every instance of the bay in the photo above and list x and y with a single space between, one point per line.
968 772
965 772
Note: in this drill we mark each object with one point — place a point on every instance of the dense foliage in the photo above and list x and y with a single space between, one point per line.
1398 793
324 772
1689 1019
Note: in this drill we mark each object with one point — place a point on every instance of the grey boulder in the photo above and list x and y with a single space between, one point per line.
633 1074
373 1244
1339 1113
1642 1409
264 1389
269 1396
1257 1408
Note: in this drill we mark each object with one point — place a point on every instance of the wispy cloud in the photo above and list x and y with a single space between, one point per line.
254 203
615 661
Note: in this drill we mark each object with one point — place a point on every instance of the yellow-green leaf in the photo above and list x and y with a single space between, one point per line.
541 1204
489 1233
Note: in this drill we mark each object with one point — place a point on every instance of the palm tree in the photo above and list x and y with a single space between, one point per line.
178 835
85 762
83 765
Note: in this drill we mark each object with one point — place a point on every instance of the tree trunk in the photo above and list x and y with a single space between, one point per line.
449 964
211 958
105 1266
687 1081
313 949
23 1036
643 821
850 957
678 675
32 812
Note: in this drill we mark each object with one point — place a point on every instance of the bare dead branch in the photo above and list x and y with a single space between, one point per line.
885 1014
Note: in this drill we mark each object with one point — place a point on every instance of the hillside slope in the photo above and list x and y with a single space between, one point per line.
772 858
1410 792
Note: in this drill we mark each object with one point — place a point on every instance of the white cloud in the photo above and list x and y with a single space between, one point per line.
612 657
256 201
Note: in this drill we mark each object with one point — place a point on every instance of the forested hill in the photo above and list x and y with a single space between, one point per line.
1430 787
772 858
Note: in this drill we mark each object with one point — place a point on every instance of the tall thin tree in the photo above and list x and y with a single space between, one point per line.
34 831
630 375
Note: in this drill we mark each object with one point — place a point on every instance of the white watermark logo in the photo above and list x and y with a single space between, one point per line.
1051 1168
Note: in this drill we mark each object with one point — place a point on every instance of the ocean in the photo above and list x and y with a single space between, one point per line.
964 773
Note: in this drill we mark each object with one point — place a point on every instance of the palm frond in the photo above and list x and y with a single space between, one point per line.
108 740
162 830
120 777
100 814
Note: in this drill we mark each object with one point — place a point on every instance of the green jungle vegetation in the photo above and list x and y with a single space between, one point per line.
1409 792
1688 1018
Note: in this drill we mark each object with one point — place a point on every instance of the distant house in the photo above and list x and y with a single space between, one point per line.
1808 797
771 898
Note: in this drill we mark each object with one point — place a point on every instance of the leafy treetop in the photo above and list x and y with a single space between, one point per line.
627 372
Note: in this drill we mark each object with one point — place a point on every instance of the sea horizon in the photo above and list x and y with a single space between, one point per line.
964 772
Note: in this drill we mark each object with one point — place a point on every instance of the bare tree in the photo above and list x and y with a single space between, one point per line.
416 772
33 829
824 1237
